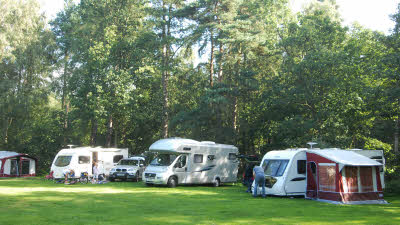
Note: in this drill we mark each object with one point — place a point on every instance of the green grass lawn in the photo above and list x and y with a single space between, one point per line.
36 201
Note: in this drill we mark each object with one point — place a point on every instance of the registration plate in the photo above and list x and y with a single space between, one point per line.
120 174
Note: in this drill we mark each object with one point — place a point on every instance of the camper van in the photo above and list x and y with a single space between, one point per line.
81 159
186 161
333 175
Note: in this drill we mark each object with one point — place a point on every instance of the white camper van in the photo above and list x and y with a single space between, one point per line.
186 161
81 159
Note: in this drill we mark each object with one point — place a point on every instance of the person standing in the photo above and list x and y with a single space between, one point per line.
95 172
248 176
259 179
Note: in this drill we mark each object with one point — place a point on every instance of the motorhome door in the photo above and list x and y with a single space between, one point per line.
181 168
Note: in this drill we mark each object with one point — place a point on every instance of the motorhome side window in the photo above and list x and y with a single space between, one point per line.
232 156
301 166
84 159
198 158
117 158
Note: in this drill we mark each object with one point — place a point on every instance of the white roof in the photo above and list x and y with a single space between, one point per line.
173 144
135 158
88 149
346 158
282 154
6 154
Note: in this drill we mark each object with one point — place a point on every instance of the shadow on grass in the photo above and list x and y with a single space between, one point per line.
43 202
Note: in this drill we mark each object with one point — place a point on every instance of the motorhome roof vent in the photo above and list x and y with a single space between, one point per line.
208 142
71 146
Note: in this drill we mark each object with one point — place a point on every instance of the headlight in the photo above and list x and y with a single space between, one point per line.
112 170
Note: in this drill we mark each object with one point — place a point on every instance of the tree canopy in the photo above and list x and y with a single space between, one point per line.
250 73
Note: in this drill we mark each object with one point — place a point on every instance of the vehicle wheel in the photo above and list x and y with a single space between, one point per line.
149 184
172 182
217 182
112 179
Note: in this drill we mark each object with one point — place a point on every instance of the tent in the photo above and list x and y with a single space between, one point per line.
343 177
13 164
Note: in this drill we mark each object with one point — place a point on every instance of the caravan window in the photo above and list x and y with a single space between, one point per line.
301 166
117 158
232 156
84 159
274 168
63 160
211 157
198 158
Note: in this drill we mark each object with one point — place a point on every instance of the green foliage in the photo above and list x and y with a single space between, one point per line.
123 73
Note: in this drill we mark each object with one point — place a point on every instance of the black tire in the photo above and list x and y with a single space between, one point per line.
217 183
149 184
172 182
112 179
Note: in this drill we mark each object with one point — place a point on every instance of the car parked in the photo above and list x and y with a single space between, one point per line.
129 168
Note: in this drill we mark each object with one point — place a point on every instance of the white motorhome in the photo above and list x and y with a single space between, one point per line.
186 161
81 159
286 170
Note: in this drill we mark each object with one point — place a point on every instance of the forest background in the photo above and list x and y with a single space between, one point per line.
125 73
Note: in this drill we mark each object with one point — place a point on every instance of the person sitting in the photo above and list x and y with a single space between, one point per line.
68 173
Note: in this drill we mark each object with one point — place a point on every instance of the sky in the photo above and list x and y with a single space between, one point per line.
372 14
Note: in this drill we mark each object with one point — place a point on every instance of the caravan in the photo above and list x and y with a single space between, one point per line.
333 175
185 161
81 159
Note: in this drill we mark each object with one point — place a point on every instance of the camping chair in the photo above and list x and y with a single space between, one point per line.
50 176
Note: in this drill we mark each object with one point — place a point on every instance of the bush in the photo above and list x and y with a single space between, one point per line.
392 186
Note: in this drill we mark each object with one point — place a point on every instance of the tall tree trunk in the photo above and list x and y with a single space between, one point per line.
220 72
93 133
212 60
235 114
164 69
109 131
115 135
64 100
7 124
396 135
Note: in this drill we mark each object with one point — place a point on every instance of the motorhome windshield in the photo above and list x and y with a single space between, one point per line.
163 160
63 160
128 162
275 168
